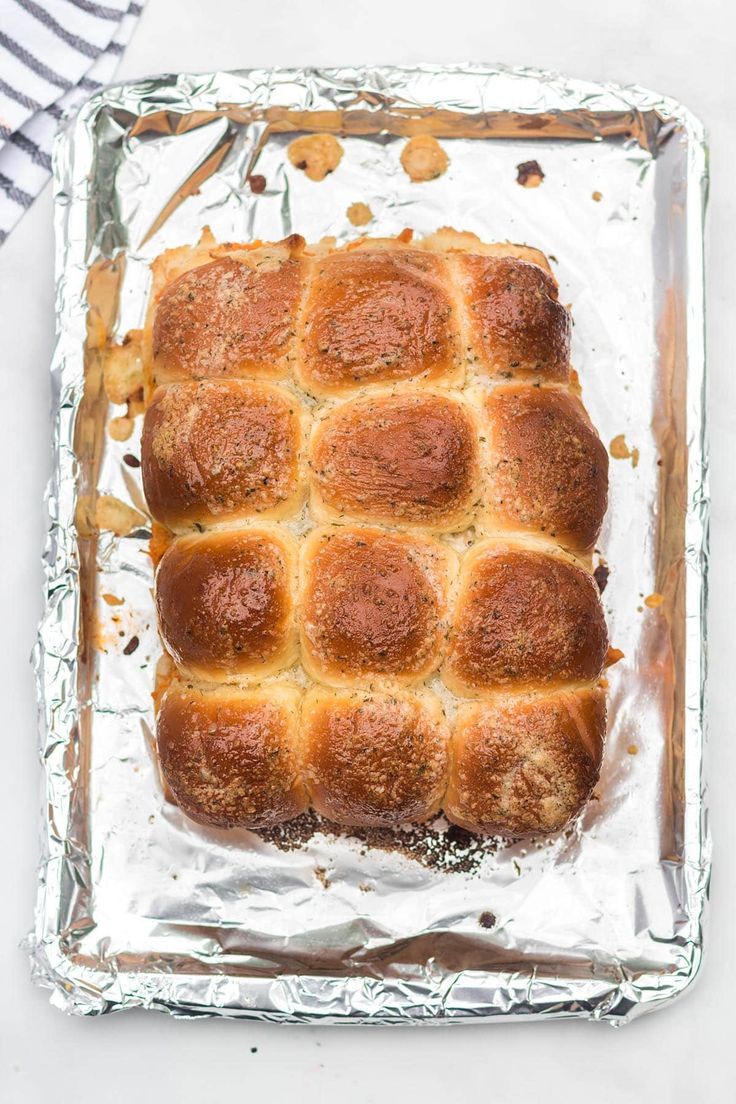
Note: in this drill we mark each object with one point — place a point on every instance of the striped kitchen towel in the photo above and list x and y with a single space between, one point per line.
53 54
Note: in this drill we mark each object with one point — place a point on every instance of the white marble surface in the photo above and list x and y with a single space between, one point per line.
676 1055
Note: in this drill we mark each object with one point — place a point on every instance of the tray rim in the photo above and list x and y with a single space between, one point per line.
87 991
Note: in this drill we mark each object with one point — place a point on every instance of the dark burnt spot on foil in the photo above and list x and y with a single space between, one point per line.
131 646
487 920
257 183
436 846
529 174
600 575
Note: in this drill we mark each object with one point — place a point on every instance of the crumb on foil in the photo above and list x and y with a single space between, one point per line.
597 197
423 159
600 575
359 214
116 517
321 875
653 601
529 174
257 183
317 155
436 845
619 450
614 655
122 371
120 429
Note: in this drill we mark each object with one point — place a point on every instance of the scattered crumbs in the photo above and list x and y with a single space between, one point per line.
529 174
597 196
151 819
112 600
619 450
175 877
487 920
600 575
654 600
115 516
254 1050
321 875
551 257
517 868
131 646
613 656
120 429
257 183
136 405
364 887
317 155
122 370
131 460
435 845
359 214
423 159
632 749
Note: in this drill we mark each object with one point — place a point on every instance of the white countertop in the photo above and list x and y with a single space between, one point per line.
675 1055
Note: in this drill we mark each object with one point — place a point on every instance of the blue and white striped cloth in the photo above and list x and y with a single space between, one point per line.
53 54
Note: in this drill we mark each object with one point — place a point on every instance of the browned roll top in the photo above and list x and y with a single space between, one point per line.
374 760
373 604
517 327
524 620
549 471
218 450
225 603
424 409
378 316
525 766
230 757
228 319
411 459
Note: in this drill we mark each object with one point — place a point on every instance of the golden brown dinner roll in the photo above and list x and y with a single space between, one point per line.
374 759
405 457
230 756
234 316
524 618
378 315
525 765
225 603
549 469
220 449
374 603
516 326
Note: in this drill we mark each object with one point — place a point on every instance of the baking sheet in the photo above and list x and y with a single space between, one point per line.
139 906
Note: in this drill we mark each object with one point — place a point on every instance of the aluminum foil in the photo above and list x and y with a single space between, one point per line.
138 905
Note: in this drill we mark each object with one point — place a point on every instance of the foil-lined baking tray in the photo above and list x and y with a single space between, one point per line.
138 905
